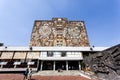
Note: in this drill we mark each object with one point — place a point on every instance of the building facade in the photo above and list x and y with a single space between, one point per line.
55 44
59 32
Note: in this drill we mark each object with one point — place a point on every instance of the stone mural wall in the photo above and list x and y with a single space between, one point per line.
106 64
59 32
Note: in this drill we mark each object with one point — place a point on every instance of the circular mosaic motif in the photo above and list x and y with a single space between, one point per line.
74 31
45 31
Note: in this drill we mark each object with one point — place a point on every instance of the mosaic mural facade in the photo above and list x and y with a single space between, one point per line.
59 32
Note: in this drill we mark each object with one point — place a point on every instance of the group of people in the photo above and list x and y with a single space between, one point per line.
28 74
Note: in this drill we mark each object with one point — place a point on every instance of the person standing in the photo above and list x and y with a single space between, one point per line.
30 73
26 74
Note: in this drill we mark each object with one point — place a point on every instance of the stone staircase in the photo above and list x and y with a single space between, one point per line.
88 75
56 73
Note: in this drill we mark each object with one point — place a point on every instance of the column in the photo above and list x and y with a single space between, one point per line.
79 65
15 66
54 66
1 66
41 65
28 65
67 65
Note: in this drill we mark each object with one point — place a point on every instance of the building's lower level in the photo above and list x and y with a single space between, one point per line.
44 58
63 65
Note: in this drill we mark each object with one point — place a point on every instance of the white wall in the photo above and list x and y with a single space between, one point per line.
57 56
52 48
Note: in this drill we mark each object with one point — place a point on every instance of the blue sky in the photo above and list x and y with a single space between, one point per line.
102 19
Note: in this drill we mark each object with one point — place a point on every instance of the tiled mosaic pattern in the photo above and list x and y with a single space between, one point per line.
59 32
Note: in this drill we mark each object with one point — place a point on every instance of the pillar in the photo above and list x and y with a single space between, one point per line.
67 65
79 65
41 65
28 65
54 66
15 66
1 66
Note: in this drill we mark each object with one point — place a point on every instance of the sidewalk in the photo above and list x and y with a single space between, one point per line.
37 77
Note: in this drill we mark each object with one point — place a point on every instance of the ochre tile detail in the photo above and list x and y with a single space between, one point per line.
59 32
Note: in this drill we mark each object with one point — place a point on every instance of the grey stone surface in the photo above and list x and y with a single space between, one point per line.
56 73
106 64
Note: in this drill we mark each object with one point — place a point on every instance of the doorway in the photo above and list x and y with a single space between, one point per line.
73 65
47 65
60 65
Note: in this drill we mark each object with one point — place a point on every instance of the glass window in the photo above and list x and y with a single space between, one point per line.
49 54
63 54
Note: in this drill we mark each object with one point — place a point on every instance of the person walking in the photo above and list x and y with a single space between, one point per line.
26 74
30 73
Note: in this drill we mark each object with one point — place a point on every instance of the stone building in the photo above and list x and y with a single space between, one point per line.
55 44
59 32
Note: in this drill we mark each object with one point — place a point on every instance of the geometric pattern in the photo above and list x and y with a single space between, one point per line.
59 32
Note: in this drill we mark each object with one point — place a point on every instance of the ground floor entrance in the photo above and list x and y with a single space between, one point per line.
47 65
63 65
73 65
60 65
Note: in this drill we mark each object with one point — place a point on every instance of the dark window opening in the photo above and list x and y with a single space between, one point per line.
63 54
49 54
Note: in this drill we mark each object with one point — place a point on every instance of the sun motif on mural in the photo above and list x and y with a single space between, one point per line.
44 30
59 32
74 31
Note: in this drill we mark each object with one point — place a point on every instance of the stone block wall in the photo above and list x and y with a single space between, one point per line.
59 32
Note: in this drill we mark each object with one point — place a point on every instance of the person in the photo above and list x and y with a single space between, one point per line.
30 73
26 74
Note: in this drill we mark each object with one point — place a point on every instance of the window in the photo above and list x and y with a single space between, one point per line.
49 54
63 54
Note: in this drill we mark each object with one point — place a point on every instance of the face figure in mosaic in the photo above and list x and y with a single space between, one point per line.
59 41
59 32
